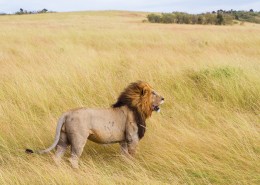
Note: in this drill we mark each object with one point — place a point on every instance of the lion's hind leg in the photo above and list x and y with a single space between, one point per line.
77 145
61 148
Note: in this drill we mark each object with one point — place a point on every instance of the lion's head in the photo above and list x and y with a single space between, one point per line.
142 100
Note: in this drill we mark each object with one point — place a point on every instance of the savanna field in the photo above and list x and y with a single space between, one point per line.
208 130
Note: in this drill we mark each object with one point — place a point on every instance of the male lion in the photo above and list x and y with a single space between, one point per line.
123 123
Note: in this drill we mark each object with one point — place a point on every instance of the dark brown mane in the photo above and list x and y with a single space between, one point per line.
137 98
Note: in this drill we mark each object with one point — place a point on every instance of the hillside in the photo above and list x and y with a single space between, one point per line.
208 131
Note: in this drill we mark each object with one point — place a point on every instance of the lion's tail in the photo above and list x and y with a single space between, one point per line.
57 137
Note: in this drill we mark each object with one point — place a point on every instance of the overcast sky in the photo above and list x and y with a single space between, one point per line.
190 6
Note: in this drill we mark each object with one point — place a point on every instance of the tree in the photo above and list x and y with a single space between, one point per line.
220 19
194 19
200 19
154 18
228 19
168 18
210 18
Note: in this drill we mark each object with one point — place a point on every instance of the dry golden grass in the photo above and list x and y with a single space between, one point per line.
208 131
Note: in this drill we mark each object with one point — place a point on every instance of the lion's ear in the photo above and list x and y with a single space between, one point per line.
144 91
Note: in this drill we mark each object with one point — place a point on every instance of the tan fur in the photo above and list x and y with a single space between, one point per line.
119 124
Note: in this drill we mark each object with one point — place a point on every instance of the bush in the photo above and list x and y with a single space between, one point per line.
154 18
220 17
168 18
226 86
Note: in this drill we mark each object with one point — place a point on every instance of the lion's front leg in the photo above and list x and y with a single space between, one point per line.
124 148
132 143
132 138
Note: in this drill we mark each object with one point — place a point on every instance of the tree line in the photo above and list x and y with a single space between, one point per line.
220 17
22 11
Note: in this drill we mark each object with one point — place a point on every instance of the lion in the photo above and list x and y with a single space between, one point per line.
123 123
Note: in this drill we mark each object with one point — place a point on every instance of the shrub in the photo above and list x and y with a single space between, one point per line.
154 18
168 18
220 17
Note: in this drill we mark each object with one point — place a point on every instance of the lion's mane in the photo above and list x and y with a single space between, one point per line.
137 97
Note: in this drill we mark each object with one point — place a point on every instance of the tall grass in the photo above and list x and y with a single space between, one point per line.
208 131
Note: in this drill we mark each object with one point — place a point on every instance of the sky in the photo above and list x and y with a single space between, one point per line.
189 6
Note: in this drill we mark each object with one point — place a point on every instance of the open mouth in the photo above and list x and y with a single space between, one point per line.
156 108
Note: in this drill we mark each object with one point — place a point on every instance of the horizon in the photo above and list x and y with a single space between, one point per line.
187 6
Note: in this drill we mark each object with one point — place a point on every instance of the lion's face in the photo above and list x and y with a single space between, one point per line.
141 97
157 100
